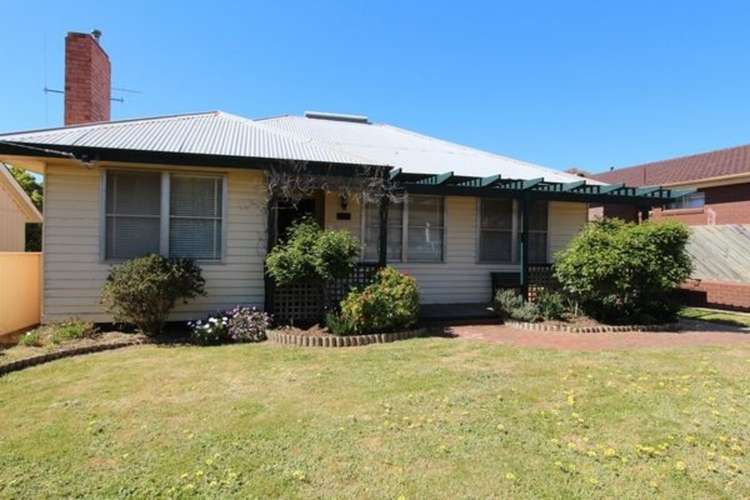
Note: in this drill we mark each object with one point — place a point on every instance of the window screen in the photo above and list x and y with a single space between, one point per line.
195 217
425 229
496 230
133 209
372 231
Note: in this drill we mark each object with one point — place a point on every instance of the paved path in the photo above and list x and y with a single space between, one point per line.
695 333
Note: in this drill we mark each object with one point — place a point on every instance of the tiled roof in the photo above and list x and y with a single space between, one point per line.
718 163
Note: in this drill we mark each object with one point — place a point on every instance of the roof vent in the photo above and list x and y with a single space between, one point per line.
318 115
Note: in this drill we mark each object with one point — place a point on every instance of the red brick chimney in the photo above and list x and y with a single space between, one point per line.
87 79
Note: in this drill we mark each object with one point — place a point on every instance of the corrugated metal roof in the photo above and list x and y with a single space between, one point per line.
318 138
410 151
211 133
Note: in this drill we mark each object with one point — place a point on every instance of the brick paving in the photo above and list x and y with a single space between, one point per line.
694 333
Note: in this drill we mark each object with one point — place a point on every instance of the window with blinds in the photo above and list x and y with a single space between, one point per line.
425 229
195 217
496 230
134 223
133 214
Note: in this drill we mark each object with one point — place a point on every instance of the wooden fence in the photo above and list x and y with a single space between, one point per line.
20 290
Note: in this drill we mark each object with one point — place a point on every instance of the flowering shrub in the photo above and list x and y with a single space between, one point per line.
212 331
247 324
239 324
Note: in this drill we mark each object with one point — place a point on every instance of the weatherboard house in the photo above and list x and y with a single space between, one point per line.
197 185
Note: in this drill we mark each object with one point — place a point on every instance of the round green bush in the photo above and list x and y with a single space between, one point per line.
622 272
144 290
390 303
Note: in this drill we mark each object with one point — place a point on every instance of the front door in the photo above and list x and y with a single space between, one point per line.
287 212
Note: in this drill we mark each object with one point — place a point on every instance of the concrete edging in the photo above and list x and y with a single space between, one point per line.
541 327
341 341
20 364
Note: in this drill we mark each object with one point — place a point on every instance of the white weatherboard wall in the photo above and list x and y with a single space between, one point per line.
12 223
565 221
460 278
74 275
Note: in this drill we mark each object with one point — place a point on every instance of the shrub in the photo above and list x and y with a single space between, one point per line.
551 305
144 290
620 272
339 325
309 253
390 303
247 324
214 330
507 301
509 304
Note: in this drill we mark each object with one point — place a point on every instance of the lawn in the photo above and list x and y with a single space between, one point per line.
424 418
716 316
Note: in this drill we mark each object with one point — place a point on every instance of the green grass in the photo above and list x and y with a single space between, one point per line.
716 316
424 418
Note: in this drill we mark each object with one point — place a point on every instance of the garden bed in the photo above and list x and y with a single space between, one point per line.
590 326
20 356
319 337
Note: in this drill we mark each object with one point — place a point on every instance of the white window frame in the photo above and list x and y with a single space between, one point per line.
165 216
681 204
405 232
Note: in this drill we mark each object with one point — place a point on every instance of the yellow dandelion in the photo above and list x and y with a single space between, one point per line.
610 452
680 466
510 476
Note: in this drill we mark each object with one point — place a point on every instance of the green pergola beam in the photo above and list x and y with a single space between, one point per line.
437 180
611 188
481 182
572 186
531 183
647 191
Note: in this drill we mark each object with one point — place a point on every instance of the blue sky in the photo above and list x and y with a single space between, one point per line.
563 84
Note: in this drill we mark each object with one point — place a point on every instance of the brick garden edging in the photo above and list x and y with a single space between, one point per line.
20 364
343 341
541 327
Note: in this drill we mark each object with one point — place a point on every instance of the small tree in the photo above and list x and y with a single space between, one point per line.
143 291
624 272
309 253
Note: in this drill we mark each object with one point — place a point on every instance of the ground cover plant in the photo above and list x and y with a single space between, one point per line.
423 418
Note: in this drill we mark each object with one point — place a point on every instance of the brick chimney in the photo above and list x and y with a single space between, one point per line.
87 79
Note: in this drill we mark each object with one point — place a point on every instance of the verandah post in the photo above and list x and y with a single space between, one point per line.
383 247
524 247
271 241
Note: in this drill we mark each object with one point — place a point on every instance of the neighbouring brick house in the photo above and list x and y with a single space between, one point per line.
722 200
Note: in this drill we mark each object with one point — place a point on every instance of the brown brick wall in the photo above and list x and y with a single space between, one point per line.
87 80
718 294
724 205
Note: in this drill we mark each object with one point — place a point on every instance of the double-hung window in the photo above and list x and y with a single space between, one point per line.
498 234
172 214
496 230
419 221
538 216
